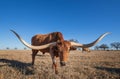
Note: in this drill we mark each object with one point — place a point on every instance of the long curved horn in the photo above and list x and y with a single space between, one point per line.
90 44
31 46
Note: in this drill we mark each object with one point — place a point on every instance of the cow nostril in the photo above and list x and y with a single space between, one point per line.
62 63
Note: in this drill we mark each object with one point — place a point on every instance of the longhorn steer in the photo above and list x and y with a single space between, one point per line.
56 46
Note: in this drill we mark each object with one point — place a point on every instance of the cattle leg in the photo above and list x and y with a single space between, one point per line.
34 52
54 65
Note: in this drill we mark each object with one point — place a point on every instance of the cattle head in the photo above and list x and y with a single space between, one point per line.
62 48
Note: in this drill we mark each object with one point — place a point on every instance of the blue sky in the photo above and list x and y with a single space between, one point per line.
84 20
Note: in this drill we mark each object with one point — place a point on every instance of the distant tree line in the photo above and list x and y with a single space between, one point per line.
7 48
112 46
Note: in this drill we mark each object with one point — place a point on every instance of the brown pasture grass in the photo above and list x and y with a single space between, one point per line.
16 64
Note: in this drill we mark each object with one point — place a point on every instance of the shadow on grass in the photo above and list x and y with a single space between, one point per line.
24 68
111 70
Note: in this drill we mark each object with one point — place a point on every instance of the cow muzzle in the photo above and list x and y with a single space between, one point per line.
62 63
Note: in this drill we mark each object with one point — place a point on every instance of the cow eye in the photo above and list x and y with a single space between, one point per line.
56 48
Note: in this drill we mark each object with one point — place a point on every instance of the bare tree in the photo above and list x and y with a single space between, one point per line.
15 48
104 46
25 48
74 40
96 47
7 48
115 45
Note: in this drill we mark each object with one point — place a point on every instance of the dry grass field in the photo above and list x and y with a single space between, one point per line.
16 64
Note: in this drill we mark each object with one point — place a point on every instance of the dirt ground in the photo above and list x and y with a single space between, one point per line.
16 64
